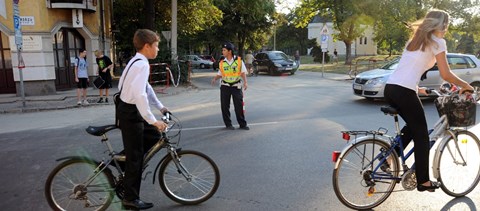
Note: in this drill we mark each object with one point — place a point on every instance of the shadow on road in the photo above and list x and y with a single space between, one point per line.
462 203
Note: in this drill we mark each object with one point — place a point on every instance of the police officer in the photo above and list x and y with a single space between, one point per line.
233 72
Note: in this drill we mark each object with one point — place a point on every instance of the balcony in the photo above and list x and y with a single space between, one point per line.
89 5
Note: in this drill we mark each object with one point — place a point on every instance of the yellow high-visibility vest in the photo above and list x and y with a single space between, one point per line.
231 73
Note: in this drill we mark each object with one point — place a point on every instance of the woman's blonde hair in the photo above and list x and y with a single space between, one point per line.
435 20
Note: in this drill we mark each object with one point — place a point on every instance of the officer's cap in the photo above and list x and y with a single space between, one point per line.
228 46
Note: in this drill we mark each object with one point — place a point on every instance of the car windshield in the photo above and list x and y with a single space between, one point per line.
277 56
391 65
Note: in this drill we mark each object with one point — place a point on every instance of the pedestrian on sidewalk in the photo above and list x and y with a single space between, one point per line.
233 72
297 57
249 62
105 65
335 56
81 77
140 129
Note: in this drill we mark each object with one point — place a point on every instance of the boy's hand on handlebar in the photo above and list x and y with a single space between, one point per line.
164 110
161 126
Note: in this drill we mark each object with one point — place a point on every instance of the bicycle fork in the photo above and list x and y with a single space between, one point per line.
180 168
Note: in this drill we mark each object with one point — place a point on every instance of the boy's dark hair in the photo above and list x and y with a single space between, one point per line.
144 36
81 50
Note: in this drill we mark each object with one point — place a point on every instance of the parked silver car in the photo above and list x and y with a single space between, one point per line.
370 84
197 62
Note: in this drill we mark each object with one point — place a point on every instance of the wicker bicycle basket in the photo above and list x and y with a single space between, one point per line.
460 110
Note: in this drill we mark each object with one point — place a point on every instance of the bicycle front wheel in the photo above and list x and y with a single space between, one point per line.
191 179
72 185
459 164
355 181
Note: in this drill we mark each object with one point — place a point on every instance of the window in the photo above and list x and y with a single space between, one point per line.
365 41
457 63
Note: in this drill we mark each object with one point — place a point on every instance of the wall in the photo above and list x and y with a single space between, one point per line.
37 52
314 32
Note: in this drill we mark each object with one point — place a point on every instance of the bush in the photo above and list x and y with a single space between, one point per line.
318 55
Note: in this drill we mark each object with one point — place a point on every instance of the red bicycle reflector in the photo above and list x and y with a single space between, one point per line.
335 155
346 136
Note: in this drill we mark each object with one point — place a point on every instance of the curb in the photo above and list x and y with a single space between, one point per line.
72 105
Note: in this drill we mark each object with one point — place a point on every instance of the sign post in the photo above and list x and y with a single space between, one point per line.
324 44
19 42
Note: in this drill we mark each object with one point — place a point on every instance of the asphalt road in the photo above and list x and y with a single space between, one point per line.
282 163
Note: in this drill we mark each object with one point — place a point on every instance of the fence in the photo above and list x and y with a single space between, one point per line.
160 75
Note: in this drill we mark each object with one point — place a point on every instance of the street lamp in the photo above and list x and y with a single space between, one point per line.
274 34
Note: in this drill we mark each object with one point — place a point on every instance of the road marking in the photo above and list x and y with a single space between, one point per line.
215 127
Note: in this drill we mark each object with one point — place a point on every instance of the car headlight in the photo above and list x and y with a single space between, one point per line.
376 81
277 65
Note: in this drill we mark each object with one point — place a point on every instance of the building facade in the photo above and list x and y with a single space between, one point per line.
363 46
53 32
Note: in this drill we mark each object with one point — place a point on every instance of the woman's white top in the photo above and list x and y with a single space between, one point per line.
413 64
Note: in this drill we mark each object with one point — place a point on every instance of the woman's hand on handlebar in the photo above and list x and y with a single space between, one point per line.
423 90
468 88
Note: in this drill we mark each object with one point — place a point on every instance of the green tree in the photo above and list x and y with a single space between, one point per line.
290 38
348 16
243 20
194 16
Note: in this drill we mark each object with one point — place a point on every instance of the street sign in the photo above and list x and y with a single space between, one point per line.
17 26
325 30
324 36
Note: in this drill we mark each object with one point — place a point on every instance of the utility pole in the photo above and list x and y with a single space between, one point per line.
174 32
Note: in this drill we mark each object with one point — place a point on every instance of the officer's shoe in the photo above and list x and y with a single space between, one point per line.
136 204
229 127
245 128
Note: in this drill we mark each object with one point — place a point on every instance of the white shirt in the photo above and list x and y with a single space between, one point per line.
229 62
137 90
249 58
413 64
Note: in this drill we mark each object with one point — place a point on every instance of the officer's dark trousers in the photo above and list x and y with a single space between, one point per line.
138 137
411 110
227 92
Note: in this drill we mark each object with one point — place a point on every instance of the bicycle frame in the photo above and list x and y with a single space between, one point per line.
439 131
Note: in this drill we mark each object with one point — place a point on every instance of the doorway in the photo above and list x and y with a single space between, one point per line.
7 83
66 44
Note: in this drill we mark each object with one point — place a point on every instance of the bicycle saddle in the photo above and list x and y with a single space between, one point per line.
389 110
99 131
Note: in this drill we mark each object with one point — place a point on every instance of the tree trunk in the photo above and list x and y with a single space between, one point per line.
149 9
348 53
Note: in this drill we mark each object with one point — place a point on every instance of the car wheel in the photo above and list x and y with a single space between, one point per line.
476 85
292 73
202 66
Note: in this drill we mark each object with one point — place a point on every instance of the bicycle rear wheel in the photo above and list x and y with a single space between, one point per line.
66 187
352 179
459 164
193 181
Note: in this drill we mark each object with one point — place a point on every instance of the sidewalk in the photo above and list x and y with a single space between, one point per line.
10 103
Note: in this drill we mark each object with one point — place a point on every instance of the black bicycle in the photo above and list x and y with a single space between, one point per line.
81 183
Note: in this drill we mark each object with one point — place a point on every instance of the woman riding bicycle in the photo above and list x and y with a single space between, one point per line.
426 47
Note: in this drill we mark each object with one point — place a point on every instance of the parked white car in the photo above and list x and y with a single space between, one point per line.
198 62
370 84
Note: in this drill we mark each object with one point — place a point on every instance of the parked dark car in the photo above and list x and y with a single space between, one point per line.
274 63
